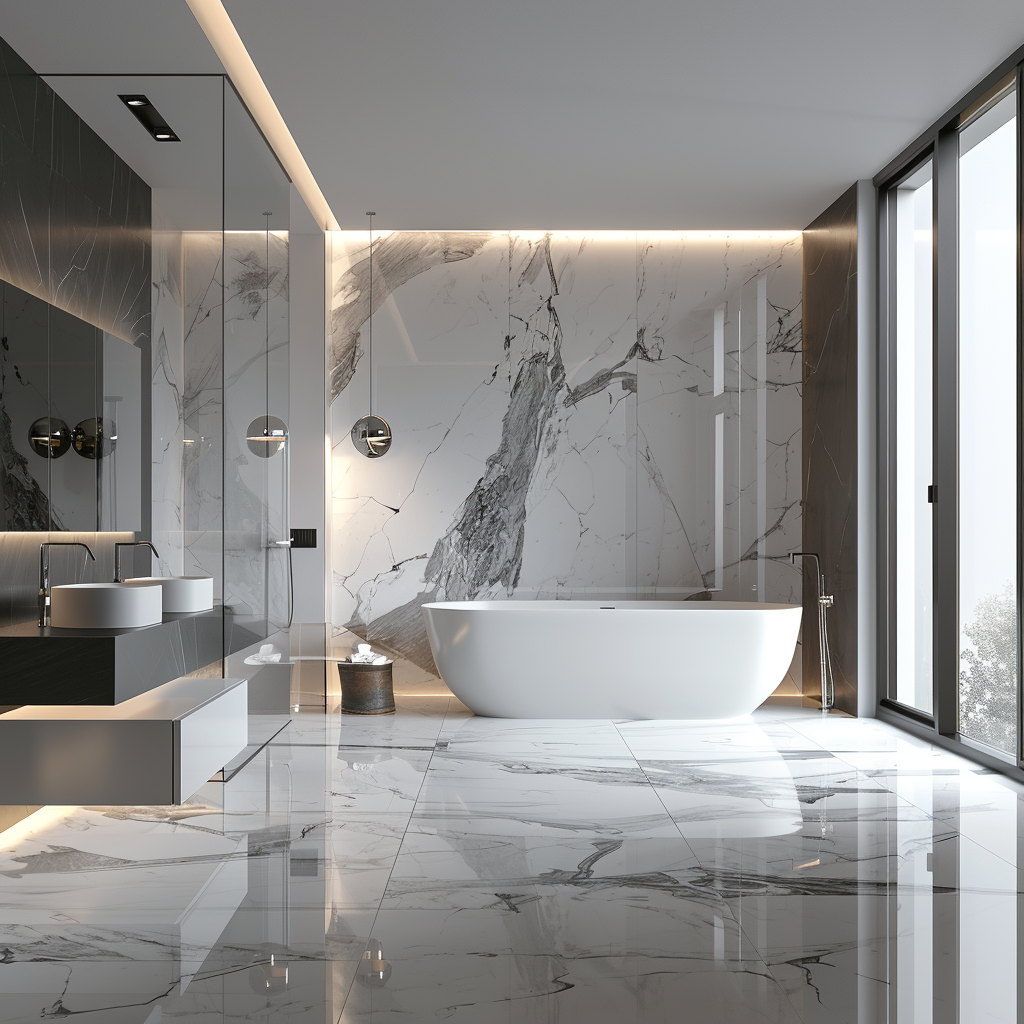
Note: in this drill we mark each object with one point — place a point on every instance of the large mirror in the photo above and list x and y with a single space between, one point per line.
72 438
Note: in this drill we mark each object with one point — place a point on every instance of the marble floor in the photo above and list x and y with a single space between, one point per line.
436 866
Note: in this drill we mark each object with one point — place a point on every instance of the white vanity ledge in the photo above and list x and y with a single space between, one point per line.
156 748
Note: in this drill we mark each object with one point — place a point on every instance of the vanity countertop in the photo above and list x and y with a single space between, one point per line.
33 629
104 666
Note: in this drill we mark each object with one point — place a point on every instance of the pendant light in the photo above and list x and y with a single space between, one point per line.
266 435
371 434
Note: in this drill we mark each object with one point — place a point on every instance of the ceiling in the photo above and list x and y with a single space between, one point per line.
568 113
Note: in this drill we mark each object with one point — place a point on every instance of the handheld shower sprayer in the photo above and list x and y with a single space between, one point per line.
825 601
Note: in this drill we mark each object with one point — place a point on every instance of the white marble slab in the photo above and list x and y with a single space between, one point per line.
553 397
531 871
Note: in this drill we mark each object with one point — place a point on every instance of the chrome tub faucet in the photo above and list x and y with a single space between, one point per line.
825 601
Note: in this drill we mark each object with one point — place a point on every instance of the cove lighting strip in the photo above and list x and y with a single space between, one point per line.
215 21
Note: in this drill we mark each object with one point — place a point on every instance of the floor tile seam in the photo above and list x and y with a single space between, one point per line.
668 813
398 851
931 815
739 925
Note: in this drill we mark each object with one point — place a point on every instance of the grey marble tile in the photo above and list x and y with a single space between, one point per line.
529 871
585 796
545 988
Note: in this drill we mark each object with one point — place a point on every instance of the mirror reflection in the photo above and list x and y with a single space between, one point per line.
71 425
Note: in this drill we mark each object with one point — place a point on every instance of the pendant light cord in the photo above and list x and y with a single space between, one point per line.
266 318
369 326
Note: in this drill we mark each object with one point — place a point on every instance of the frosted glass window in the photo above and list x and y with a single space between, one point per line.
913 289
987 428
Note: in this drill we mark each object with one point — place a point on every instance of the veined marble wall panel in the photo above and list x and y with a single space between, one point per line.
573 328
168 387
569 419
202 406
718 493
75 232
830 425
443 381
74 217
255 489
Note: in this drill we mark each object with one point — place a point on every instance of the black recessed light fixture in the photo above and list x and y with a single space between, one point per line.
149 117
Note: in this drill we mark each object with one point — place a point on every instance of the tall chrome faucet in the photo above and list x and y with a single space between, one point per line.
44 573
118 578
825 601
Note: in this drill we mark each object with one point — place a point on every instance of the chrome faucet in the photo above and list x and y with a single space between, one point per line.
118 578
44 574
825 601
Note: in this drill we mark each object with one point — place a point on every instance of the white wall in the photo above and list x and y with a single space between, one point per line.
306 427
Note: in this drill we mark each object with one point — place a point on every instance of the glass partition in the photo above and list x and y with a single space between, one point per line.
257 557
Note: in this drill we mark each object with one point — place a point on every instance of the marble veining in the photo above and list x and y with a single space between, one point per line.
573 415
532 871
218 308
830 420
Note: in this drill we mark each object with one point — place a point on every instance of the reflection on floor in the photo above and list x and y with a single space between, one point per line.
784 869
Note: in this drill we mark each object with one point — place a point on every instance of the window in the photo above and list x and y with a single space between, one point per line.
987 427
910 208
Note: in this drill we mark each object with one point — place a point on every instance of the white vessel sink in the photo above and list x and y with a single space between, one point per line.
181 593
105 606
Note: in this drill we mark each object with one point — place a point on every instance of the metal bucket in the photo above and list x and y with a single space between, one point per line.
366 689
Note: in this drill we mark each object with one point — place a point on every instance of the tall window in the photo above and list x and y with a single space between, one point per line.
987 427
911 207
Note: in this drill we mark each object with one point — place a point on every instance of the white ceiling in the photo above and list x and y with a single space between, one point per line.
568 113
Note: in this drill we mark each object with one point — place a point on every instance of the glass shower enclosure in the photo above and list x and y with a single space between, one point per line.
218 345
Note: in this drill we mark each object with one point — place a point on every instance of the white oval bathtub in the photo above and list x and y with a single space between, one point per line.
612 659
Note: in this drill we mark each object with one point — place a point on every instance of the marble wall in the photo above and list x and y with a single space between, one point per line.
218 509
74 217
830 449
589 415
255 382
74 232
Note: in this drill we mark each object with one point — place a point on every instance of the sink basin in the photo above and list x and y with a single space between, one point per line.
181 593
105 606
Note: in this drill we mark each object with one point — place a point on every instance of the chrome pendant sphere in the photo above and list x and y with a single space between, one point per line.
371 436
266 436
94 438
49 437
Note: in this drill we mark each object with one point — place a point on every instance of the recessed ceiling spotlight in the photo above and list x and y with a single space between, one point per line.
149 117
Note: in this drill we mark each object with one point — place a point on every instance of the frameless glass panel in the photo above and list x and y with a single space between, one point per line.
257 570
987 427
912 290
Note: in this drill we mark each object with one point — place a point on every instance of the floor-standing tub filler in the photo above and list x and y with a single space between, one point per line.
621 659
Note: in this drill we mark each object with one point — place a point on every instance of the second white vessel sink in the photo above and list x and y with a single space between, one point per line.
181 593
105 606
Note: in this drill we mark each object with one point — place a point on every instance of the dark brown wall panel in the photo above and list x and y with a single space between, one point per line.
830 440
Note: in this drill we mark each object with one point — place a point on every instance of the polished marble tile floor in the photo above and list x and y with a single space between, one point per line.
783 868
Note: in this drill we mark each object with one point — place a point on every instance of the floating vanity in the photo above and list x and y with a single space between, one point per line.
50 665
154 749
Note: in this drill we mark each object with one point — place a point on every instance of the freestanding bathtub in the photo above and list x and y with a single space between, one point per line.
612 659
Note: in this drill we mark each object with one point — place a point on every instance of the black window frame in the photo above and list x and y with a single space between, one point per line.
940 144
